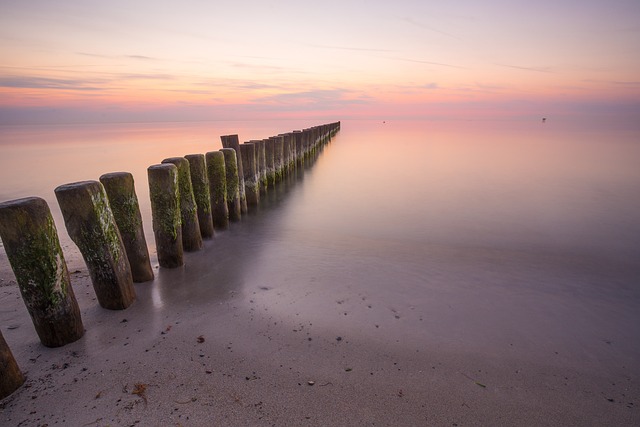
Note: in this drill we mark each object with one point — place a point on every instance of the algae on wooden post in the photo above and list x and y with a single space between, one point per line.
191 237
165 210
201 193
31 242
91 225
11 377
233 189
251 178
286 154
218 188
261 162
278 157
232 141
121 193
270 154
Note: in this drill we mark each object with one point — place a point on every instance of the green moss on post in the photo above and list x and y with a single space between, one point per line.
278 157
232 141
121 193
261 162
270 152
233 189
299 149
31 242
191 237
251 177
11 377
218 188
286 154
91 225
165 210
200 184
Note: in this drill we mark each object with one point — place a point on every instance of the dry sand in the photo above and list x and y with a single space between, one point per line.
225 343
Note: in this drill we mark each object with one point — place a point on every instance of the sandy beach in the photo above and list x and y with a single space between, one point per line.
494 298
201 346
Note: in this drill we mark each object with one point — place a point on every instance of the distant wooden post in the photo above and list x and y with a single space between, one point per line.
165 209
232 141
278 157
91 225
261 165
270 153
121 193
286 154
251 178
299 148
11 377
31 242
218 189
200 183
191 237
233 189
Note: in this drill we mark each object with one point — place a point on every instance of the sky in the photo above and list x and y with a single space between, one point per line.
142 60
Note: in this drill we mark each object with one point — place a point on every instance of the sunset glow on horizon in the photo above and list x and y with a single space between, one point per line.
197 60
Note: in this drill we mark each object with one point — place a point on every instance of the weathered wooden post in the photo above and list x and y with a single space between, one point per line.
121 193
251 178
31 242
165 210
233 189
200 184
232 141
286 154
261 165
269 153
218 188
11 377
299 147
91 226
191 237
278 157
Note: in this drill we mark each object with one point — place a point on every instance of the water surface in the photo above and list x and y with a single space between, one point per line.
482 237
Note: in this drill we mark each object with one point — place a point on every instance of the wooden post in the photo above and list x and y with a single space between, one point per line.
31 242
299 147
233 189
251 178
218 188
165 209
270 168
91 226
261 165
200 184
278 157
11 377
286 154
191 237
121 193
232 141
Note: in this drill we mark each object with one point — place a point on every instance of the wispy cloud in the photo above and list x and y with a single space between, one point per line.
352 48
313 99
427 27
519 67
29 82
137 57
419 61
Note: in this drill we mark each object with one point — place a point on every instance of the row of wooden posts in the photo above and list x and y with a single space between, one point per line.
191 197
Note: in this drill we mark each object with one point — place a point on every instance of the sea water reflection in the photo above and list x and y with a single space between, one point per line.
488 232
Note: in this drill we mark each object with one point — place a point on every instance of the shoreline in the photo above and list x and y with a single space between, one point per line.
175 358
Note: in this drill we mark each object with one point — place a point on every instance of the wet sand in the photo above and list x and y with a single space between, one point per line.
334 305
246 335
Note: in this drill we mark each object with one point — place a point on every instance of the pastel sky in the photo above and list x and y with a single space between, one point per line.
78 60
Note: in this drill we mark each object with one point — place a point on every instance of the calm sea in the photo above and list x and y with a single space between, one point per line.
492 231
